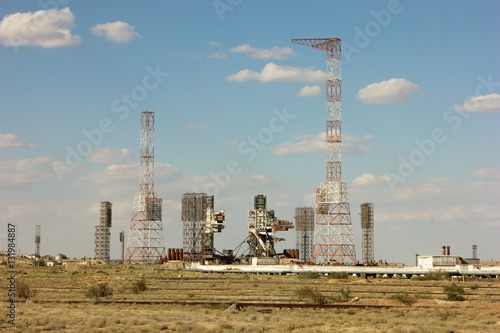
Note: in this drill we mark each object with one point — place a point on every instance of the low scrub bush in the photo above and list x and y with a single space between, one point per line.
24 291
404 298
312 295
139 286
344 295
308 275
98 291
454 292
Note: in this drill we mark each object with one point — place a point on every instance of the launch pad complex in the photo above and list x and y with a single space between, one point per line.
324 235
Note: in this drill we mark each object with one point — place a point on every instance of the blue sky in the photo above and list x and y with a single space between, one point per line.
226 69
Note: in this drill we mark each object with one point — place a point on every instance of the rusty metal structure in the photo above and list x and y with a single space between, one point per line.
103 232
262 227
367 228
333 236
199 223
145 239
304 226
38 239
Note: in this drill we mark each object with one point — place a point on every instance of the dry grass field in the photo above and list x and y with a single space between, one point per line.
183 301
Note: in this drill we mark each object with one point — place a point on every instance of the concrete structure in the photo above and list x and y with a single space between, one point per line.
333 236
38 240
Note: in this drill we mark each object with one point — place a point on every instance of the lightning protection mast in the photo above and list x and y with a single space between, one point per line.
333 237
145 241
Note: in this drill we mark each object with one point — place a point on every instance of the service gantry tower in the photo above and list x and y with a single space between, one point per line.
145 239
333 237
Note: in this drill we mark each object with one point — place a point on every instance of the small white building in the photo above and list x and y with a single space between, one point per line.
439 261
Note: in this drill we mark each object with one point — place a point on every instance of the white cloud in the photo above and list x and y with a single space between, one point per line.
45 28
214 44
309 91
487 173
25 172
311 144
218 55
232 143
370 179
487 103
12 141
274 73
108 155
120 32
274 52
192 127
390 91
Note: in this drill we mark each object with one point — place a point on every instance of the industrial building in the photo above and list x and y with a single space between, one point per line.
103 232
304 227
367 227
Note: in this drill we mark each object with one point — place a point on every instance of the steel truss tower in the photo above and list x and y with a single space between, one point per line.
193 210
262 227
333 236
145 239
38 239
367 233
304 225
103 232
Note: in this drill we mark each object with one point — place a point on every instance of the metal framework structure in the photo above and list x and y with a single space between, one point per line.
199 223
122 241
103 232
474 251
38 240
304 226
367 227
262 227
145 239
333 236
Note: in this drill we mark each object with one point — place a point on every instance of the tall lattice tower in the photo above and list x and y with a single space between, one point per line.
333 237
145 239
304 225
38 239
367 233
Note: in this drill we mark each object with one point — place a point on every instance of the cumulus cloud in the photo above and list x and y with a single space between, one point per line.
311 144
45 28
12 141
309 91
108 155
120 32
386 92
487 103
487 173
192 127
275 73
274 52
369 179
25 172
214 44
218 55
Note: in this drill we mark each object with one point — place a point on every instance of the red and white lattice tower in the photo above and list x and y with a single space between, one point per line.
145 240
333 237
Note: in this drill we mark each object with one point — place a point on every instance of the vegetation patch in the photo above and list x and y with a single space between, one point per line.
404 298
311 295
454 292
